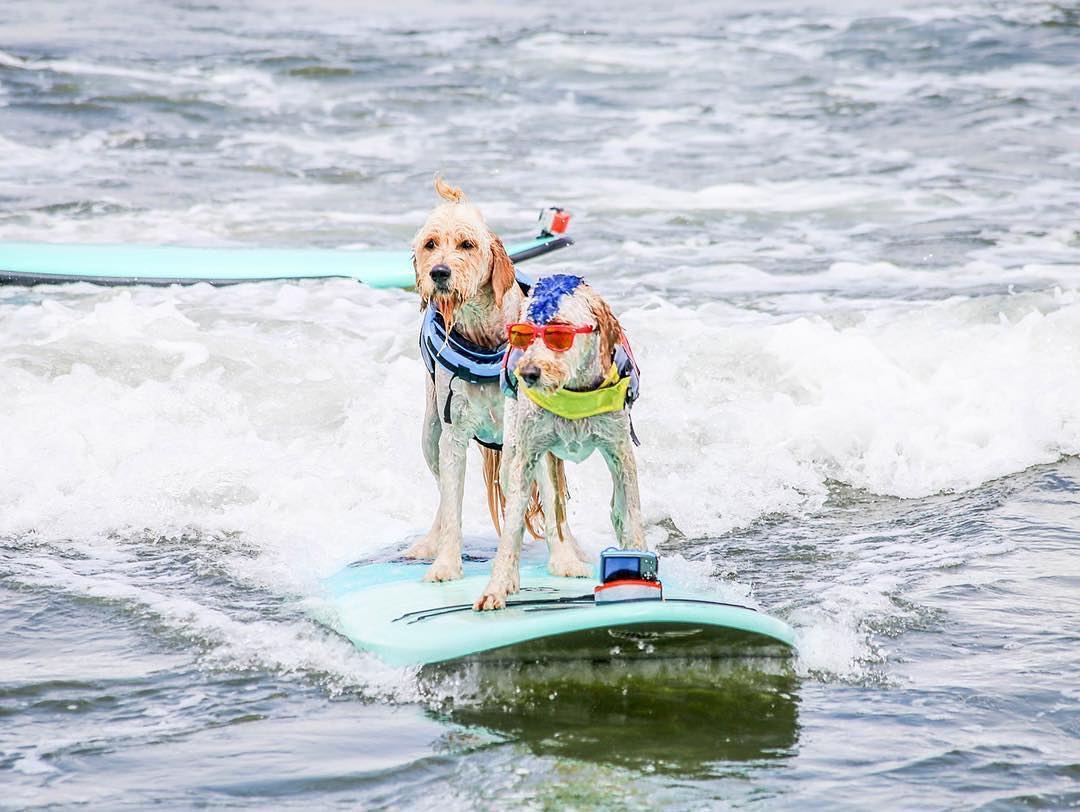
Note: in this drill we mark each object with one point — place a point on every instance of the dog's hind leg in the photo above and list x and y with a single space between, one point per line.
453 446
626 499
565 557
561 497
519 472
427 546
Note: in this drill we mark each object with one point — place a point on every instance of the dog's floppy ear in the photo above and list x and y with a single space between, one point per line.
502 270
416 276
609 328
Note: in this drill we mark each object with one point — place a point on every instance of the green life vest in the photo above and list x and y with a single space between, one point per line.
610 396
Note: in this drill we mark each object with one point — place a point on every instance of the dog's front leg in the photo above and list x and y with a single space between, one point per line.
626 500
428 546
519 470
453 445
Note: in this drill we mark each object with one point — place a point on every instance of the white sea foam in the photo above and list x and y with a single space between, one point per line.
852 285
705 168
11 61
290 414
793 196
597 55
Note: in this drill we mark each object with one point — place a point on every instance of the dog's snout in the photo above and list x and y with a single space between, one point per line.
530 373
440 273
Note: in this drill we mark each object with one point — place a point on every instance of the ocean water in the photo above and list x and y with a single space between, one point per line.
844 241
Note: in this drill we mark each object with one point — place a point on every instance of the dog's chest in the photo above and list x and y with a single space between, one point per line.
574 441
475 409
573 450
570 440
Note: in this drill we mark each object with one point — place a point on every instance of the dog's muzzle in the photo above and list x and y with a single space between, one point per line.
440 275
529 373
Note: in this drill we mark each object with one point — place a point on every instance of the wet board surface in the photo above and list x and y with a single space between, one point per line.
28 263
388 610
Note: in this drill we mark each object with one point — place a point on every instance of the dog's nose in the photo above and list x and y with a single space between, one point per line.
440 273
530 373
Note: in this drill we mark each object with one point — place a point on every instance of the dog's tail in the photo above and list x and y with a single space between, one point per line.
534 513
495 497
562 493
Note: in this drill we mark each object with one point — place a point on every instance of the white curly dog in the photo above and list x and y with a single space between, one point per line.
570 359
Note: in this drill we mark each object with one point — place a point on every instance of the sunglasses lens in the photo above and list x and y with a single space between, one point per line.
558 338
521 336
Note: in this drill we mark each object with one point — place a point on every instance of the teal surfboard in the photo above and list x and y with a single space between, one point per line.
28 263
388 610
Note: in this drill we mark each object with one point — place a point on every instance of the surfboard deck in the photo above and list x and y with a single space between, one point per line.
30 263
388 610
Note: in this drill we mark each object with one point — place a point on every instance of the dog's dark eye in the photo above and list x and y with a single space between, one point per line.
430 245
467 245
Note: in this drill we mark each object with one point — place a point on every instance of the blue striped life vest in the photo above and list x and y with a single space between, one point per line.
458 355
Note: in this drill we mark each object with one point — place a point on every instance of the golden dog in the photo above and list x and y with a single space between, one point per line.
467 283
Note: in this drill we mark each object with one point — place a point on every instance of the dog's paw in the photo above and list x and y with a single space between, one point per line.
570 540
422 548
579 554
443 570
568 565
494 597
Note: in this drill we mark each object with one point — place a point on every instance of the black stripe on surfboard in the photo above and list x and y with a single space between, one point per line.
580 600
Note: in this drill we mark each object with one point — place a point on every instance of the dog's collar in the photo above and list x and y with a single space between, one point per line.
458 355
609 396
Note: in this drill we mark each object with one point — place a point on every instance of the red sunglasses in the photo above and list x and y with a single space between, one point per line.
558 337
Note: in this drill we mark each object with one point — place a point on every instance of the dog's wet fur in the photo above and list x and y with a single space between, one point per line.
463 270
533 434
